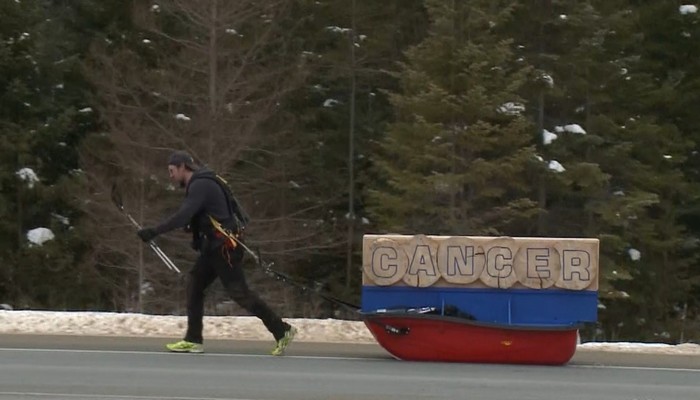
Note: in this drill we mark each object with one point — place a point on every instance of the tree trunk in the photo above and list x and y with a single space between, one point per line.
140 255
212 81
351 154
541 183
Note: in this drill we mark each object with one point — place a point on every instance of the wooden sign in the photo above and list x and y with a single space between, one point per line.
480 262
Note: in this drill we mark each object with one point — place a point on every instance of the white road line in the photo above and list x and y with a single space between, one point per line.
697 370
172 354
110 396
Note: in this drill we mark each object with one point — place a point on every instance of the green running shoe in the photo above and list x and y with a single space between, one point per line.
284 342
184 346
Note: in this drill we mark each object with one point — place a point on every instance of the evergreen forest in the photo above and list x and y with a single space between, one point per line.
335 118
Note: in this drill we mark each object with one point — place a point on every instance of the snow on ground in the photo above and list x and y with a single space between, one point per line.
242 328
126 324
630 347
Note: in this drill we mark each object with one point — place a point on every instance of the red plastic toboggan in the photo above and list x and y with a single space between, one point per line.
447 339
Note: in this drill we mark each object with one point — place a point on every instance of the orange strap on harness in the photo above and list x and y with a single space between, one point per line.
221 232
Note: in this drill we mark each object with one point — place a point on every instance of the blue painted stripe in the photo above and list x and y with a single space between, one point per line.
503 306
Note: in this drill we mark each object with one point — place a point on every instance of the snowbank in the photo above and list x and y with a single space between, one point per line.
630 347
125 324
242 328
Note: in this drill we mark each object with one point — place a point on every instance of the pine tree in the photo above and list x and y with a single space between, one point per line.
660 132
44 116
456 160
349 47
611 186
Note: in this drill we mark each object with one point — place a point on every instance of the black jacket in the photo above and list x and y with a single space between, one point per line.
206 195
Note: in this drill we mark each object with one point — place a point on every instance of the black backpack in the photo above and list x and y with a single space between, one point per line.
234 206
240 217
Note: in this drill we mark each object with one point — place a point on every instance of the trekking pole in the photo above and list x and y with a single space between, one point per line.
116 199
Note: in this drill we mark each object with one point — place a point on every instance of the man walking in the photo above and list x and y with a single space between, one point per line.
217 222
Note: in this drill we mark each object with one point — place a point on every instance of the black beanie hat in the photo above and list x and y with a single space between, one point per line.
180 157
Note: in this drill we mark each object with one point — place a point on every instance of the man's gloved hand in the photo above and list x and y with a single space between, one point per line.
147 234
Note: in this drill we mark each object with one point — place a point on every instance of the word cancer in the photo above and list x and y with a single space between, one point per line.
503 262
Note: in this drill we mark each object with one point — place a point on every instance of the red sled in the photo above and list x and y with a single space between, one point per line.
440 338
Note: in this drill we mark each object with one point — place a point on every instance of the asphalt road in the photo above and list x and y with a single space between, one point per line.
54 367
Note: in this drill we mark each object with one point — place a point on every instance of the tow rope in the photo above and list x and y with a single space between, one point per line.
233 241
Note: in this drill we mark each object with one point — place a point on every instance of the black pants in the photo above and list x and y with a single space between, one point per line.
227 265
